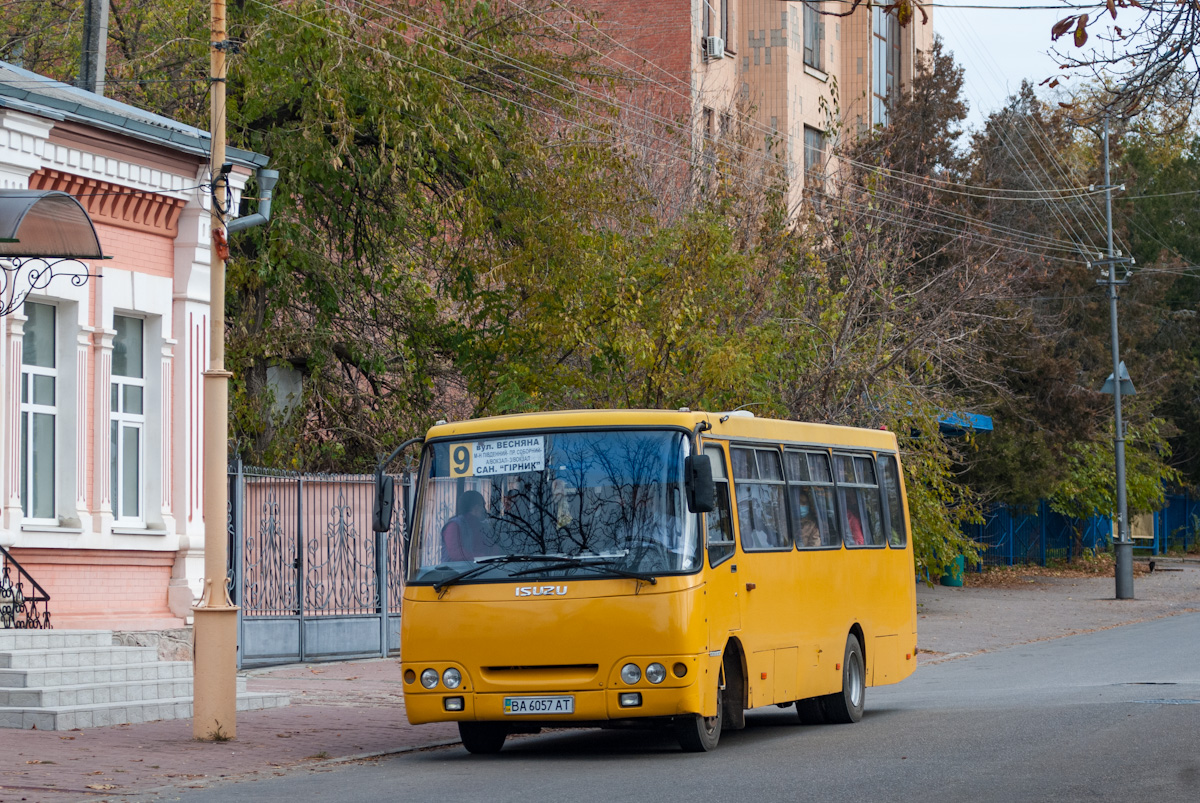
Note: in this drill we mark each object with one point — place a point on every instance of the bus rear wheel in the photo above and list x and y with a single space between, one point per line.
700 734
846 706
482 738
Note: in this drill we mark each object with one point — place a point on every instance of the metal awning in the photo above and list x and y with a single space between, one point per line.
46 224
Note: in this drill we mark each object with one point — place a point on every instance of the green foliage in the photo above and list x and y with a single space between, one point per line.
1089 487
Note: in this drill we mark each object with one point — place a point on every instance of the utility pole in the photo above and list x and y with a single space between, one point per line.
1122 544
214 706
95 44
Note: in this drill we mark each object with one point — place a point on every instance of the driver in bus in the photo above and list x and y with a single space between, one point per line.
464 535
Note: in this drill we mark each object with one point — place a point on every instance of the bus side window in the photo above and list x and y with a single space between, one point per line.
822 496
719 523
843 469
890 477
805 504
869 500
762 510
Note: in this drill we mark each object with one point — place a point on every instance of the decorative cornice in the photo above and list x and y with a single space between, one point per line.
113 203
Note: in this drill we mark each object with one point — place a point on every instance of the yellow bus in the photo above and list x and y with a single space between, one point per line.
660 568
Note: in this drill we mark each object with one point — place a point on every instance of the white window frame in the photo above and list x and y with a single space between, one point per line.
885 78
28 410
124 421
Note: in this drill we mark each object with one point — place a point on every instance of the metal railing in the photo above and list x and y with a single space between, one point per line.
24 605
1011 536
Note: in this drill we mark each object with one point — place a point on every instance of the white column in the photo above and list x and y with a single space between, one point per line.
83 354
12 420
190 347
166 452
102 462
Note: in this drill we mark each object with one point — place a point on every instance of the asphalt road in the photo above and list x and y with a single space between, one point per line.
1106 716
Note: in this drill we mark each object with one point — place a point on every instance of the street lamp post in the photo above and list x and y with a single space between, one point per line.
214 714
1122 543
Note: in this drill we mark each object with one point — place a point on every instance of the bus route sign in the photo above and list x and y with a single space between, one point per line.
498 456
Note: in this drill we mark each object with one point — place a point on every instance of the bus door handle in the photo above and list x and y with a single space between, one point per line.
751 586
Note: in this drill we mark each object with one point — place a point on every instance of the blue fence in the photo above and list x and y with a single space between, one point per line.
1010 536
1177 525
1017 536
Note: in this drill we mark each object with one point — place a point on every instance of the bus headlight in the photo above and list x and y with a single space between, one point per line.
631 673
429 678
656 673
452 678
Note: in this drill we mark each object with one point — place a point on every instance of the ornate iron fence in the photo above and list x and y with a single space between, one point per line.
24 605
311 580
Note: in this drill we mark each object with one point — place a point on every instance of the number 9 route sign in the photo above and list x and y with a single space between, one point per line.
497 456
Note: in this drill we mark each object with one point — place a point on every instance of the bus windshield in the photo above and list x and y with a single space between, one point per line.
554 505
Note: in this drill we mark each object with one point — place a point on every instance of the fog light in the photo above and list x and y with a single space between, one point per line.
680 669
629 699
453 703
656 673
429 678
452 678
631 673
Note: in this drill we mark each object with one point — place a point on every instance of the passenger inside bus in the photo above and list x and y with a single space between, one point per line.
854 534
810 531
465 536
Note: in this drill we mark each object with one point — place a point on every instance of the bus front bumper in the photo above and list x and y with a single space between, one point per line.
589 707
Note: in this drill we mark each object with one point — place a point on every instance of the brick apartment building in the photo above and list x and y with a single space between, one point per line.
775 59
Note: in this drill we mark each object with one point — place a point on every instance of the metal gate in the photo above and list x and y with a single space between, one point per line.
308 574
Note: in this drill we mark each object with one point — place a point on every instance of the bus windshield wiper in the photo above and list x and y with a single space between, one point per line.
580 562
483 564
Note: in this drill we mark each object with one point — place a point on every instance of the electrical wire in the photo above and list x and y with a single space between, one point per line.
1001 194
1017 151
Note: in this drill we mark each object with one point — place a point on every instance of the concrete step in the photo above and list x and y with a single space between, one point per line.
53 639
63 718
66 658
151 672
100 693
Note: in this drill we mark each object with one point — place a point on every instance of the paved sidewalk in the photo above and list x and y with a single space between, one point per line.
342 711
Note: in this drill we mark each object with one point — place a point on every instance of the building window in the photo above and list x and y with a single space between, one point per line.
814 36
39 409
128 423
814 157
885 62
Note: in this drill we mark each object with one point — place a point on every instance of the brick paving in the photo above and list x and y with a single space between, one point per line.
355 709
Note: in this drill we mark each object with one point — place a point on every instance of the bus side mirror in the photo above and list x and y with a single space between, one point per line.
698 482
385 503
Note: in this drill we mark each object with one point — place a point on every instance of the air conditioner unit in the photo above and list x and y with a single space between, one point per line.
714 47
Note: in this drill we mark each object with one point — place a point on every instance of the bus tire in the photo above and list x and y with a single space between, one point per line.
482 738
846 706
810 712
699 734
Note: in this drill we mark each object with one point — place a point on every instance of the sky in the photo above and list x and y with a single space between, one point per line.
997 48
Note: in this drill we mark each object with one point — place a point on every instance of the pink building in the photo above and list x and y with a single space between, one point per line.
100 384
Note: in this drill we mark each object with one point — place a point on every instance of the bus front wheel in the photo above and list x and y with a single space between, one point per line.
699 734
846 706
482 738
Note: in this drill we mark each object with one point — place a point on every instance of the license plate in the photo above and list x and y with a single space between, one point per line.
539 705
